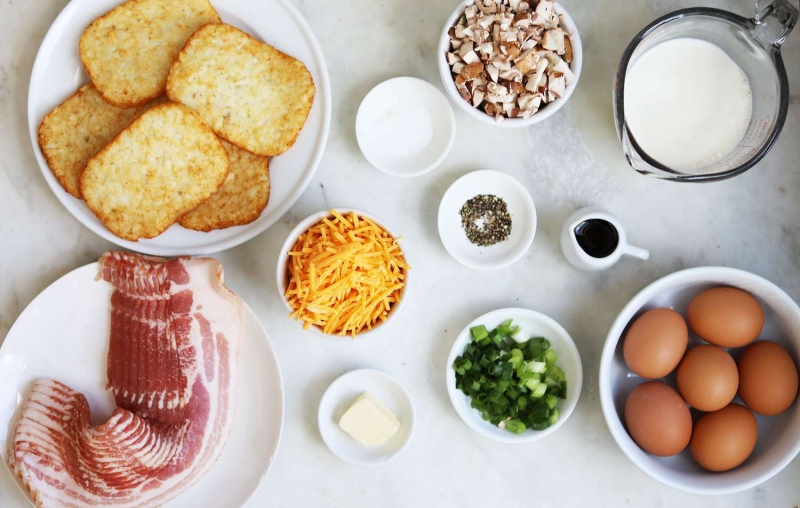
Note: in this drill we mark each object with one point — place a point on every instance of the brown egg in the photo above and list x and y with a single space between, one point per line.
724 439
767 378
726 317
655 343
658 419
708 378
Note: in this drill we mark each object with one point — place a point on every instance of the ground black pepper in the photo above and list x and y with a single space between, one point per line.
486 220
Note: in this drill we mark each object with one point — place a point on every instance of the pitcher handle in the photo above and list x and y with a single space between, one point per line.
636 252
773 22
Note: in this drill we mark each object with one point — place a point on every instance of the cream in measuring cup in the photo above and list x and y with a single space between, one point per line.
702 94
687 103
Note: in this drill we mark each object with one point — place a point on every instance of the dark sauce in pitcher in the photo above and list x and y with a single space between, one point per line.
597 238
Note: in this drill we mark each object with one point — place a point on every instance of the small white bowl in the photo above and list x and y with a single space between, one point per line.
405 127
778 436
342 393
520 206
546 111
283 261
538 325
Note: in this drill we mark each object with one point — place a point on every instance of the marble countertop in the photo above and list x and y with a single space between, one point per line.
573 159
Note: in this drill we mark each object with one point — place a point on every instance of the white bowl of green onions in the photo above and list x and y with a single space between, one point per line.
514 375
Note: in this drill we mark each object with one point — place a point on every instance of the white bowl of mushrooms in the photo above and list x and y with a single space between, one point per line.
510 63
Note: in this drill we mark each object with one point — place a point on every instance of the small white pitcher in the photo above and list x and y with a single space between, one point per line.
583 261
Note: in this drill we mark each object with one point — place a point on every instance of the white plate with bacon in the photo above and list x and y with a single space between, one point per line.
63 335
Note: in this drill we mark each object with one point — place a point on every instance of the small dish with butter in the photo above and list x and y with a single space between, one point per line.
366 417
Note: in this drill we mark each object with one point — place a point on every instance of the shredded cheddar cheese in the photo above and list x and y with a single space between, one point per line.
345 275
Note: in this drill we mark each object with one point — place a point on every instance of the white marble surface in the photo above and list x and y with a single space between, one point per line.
751 222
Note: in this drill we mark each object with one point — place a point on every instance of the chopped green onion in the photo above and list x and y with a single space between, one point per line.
541 411
505 329
515 426
537 367
516 358
512 383
540 425
479 332
533 384
496 338
539 391
519 335
556 373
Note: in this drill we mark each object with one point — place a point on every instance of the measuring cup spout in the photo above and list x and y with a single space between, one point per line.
636 252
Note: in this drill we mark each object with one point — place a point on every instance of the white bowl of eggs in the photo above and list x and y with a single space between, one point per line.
699 380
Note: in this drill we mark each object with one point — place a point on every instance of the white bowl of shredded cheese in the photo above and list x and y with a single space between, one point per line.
387 293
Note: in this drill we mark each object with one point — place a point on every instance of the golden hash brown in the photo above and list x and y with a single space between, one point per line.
240 200
165 164
78 128
250 93
128 51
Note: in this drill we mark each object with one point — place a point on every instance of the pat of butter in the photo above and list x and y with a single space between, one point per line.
369 422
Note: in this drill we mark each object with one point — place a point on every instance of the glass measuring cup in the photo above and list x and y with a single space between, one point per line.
755 45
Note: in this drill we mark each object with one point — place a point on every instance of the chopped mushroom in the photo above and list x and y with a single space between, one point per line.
545 9
554 41
494 72
522 20
533 83
510 57
486 48
472 71
461 84
496 93
563 67
471 57
502 63
513 74
491 8
511 50
466 48
516 87
477 97
557 84
567 50
526 61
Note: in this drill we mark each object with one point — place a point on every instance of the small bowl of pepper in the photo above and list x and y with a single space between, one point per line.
487 220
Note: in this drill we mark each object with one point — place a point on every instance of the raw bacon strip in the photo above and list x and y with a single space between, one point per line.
175 336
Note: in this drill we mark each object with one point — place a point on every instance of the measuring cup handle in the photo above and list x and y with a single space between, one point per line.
773 22
636 252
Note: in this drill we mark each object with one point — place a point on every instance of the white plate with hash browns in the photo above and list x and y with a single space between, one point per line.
58 73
